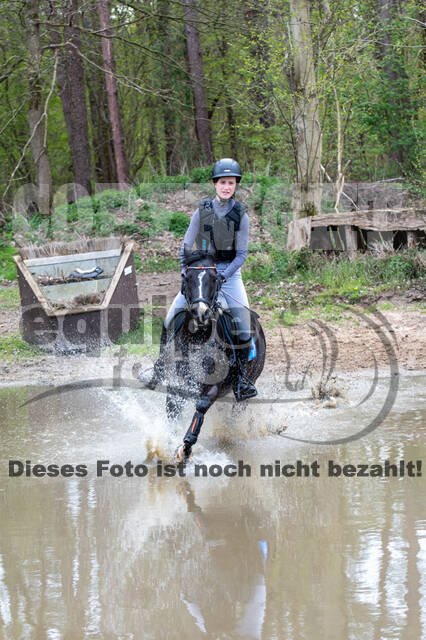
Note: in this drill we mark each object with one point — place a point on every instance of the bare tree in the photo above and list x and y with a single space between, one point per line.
112 92
307 129
195 61
36 113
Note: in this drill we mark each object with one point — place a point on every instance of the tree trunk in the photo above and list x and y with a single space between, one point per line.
105 168
111 85
230 116
256 17
169 117
37 121
79 134
195 61
307 130
395 81
70 80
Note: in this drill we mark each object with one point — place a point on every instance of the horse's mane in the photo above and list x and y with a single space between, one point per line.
205 257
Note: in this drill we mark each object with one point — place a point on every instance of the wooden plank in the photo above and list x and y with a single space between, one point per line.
118 273
32 283
299 234
411 239
351 240
72 257
374 220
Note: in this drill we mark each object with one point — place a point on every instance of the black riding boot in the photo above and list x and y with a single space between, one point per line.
159 366
243 387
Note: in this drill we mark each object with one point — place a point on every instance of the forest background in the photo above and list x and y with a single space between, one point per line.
112 114
128 92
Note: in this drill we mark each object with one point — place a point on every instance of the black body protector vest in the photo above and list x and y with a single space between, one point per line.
219 233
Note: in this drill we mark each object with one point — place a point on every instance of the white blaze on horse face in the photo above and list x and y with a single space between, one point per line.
200 283
201 307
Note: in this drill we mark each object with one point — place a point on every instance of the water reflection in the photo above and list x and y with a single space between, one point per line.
264 558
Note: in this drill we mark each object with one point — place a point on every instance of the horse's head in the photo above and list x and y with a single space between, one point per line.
200 285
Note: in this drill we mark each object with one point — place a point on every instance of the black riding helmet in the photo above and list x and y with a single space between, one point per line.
226 167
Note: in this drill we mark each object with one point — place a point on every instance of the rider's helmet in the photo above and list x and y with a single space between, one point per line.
226 167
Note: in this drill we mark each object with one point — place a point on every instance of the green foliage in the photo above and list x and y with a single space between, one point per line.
179 179
144 215
146 190
14 348
373 63
9 297
104 223
347 279
247 178
155 265
178 224
137 262
7 264
128 228
200 174
111 199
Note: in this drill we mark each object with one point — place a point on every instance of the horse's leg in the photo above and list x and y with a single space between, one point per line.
203 404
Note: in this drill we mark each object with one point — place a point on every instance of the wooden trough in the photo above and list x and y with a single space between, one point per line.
68 312
356 230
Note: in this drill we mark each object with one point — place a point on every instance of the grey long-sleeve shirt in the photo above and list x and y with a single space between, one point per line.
221 208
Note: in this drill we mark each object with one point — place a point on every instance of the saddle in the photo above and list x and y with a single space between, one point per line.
226 329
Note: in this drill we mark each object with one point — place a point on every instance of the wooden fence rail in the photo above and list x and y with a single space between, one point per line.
411 221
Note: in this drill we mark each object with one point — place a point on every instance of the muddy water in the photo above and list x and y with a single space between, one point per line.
213 557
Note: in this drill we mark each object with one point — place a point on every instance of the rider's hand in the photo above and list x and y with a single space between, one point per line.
220 280
183 284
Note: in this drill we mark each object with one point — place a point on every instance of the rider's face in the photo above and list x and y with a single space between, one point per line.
225 187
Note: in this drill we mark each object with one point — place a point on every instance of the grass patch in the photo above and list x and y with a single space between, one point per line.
178 224
14 348
329 312
155 265
9 297
7 263
302 285
144 340
341 277
386 306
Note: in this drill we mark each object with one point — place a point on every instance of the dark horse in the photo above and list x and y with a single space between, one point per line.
204 366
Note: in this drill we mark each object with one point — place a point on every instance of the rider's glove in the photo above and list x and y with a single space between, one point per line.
183 284
220 280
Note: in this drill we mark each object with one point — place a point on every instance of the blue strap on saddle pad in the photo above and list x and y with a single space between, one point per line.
253 350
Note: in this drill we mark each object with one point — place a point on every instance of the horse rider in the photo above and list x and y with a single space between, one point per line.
220 226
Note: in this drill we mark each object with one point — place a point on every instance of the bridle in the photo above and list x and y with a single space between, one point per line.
210 305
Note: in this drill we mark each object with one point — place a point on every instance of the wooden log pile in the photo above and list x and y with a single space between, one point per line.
382 220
